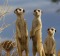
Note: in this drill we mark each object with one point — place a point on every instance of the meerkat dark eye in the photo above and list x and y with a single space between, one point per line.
16 10
55 30
48 29
34 10
52 29
23 10
20 9
38 10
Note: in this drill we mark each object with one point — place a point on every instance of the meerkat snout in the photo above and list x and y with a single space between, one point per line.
51 30
19 11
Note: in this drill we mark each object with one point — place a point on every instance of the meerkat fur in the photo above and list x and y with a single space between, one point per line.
36 33
49 44
21 32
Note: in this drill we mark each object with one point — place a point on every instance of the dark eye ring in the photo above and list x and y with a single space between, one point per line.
34 10
55 30
52 29
16 10
23 10
20 9
48 29
38 10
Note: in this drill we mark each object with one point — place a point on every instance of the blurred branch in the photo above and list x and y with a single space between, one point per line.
5 26
58 11
15 53
55 1
3 14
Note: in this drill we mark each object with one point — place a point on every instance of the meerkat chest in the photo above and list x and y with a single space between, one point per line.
20 23
50 43
36 22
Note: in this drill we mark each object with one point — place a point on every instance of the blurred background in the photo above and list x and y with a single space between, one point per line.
50 18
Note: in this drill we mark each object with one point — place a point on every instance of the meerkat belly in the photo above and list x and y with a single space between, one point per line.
23 46
35 23
22 29
37 40
38 35
22 32
49 44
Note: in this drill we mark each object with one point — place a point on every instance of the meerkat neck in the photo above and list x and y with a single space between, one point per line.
38 17
20 16
50 35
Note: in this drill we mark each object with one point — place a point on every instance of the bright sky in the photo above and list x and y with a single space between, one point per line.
50 18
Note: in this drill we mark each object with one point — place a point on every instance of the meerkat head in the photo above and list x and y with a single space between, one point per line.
19 11
51 31
37 12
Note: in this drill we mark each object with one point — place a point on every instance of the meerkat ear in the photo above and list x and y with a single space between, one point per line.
23 11
55 30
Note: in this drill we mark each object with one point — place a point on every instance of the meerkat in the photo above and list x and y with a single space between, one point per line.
8 46
21 32
0 49
58 54
49 44
36 33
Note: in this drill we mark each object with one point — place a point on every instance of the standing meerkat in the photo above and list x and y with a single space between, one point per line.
36 33
21 32
49 44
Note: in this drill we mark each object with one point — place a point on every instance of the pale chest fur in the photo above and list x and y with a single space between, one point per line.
38 34
49 43
21 25
36 22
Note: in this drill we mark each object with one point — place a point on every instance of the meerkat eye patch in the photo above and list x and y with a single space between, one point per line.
34 10
16 10
38 10
52 29
55 30
48 29
23 10
19 9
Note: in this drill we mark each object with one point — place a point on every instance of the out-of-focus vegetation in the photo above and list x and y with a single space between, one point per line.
55 1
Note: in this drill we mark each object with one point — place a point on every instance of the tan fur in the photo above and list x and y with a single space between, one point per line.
58 53
0 50
36 34
50 45
21 32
